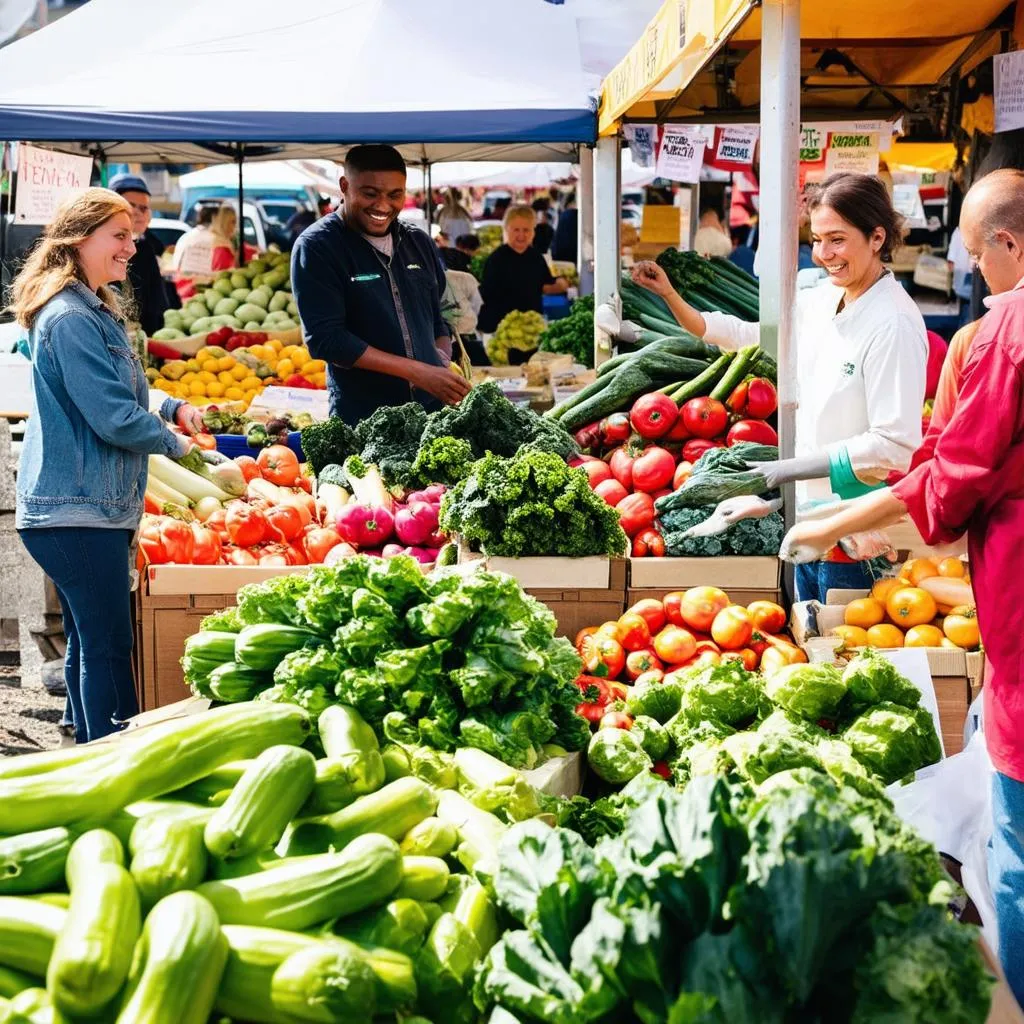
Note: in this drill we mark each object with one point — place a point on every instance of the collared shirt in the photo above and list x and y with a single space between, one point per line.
974 483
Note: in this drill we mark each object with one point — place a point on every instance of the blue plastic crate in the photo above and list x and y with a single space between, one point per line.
233 445
555 307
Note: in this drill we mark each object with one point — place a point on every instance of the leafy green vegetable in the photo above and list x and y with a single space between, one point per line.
226 621
759 755
658 700
441 460
573 334
615 755
329 442
275 600
332 473
719 474
747 537
810 691
872 678
893 741
652 737
727 693
389 439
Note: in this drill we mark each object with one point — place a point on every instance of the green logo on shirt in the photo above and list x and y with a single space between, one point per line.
848 369
365 277
413 266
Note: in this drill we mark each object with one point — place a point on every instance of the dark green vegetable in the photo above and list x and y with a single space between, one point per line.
328 443
703 382
738 369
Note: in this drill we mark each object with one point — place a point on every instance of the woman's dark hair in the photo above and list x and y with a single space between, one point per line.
863 201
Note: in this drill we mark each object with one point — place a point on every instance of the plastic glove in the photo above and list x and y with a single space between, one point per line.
629 332
731 511
808 467
808 541
607 320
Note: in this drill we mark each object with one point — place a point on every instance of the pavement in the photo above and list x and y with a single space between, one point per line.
29 716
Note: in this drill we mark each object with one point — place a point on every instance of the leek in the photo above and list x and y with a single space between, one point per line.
166 495
177 477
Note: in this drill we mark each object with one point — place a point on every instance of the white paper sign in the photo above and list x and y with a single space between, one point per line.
643 142
197 258
812 143
736 144
45 180
293 400
682 153
1009 90
855 153
906 198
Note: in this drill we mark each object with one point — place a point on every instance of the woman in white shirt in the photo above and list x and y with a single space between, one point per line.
861 354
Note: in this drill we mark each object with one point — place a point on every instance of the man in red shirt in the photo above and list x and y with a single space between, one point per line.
972 481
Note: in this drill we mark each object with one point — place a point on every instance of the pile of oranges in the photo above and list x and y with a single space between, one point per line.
929 604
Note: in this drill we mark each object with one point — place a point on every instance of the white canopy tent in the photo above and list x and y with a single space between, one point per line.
322 175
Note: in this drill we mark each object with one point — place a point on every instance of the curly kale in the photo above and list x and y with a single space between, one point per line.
551 436
747 537
390 439
332 441
532 504
442 460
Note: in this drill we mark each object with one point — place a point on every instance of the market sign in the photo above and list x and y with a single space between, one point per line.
1009 90
45 179
855 153
682 153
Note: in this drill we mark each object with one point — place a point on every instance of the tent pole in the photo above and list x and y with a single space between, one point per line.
585 220
429 183
6 211
241 207
779 190
607 220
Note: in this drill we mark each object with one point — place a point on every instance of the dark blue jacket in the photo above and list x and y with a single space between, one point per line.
350 296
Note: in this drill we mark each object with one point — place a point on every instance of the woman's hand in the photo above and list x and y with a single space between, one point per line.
649 275
189 419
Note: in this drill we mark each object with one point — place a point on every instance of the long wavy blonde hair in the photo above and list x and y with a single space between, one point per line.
54 263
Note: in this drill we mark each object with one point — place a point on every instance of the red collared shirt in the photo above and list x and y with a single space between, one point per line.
973 482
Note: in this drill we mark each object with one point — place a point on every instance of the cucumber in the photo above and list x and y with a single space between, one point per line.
344 731
167 855
333 978
28 930
178 964
232 682
220 869
300 893
340 780
391 811
581 396
432 837
49 760
265 799
12 982
401 925
122 823
93 953
55 899
33 861
622 388
703 384
213 789
423 878
735 373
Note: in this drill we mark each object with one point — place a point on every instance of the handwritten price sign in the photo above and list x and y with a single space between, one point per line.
45 180
682 153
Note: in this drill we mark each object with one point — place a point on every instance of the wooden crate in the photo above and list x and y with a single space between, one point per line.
578 607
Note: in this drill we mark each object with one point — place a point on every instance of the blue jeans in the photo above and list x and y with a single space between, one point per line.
1006 876
90 571
815 579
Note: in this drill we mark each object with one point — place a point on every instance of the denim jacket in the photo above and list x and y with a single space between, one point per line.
84 459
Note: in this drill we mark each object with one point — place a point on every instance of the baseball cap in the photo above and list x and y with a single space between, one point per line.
122 183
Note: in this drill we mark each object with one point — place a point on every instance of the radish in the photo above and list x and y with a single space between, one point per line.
365 525
390 550
435 492
415 523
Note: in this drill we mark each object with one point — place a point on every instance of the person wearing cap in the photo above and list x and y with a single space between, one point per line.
147 282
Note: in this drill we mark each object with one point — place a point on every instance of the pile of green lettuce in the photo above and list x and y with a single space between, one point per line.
863 726
799 899
413 448
441 661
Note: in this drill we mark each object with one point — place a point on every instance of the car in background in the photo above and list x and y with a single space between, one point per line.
254 226
168 231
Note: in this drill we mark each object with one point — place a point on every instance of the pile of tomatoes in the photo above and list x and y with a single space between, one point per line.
929 604
655 638
276 523
634 458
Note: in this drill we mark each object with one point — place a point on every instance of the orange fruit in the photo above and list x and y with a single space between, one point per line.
885 636
864 612
918 569
911 606
883 589
923 636
952 568
961 626
853 636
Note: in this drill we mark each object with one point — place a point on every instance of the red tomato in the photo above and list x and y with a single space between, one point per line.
239 556
246 525
274 558
661 768
206 548
674 645
621 463
591 712
649 543
678 431
305 504
634 633
767 616
636 513
708 645
215 522
617 690
672 605
609 629
611 491
737 401
581 636
603 657
705 417
318 542
305 482
663 493
279 464
597 472
615 720
284 521
756 431
247 464
614 429
165 541
640 662
205 441
296 553
701 605
762 398
653 470
653 415
595 690
693 450
655 675
732 628
652 610
681 475
588 438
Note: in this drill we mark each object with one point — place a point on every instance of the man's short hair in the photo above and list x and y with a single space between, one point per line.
360 159
1004 202
470 242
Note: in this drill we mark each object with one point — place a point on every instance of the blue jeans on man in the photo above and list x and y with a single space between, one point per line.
1006 876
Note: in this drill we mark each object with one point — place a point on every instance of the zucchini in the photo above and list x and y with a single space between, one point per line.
49 760
329 981
213 789
423 878
621 390
262 646
266 798
12 982
220 869
300 893
432 837
583 395
401 925
159 759
344 731
254 954
93 953
32 1006
391 811
167 855
702 384
662 365
28 930
471 904
178 964
396 762
33 861
122 823
204 652
231 682
480 832
735 373
340 780
55 899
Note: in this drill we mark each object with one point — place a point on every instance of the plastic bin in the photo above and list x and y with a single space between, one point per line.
555 307
233 445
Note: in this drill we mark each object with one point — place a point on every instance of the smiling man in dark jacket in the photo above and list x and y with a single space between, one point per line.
369 289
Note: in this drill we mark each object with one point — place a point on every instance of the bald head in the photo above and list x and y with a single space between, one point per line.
992 227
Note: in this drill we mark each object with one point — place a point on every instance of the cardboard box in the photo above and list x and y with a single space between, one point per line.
728 573
743 597
576 606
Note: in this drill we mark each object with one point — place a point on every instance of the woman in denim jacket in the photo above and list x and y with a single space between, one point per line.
82 474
